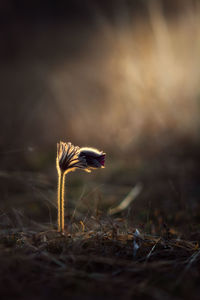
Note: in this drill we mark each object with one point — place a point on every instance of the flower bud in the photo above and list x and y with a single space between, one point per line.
93 158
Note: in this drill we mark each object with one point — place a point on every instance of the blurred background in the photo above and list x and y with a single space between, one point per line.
122 76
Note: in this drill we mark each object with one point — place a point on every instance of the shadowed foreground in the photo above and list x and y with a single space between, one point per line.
102 262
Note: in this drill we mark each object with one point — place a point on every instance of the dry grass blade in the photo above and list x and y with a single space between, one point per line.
127 200
189 264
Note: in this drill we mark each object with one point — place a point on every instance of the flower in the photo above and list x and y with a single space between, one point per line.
93 158
70 158
67 158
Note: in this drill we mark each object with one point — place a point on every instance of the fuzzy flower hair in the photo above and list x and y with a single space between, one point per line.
67 158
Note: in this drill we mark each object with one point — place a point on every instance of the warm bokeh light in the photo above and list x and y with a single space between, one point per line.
139 79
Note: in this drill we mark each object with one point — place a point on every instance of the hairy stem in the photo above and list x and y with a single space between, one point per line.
61 189
59 198
63 204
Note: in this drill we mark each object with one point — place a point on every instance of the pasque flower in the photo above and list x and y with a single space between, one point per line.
69 158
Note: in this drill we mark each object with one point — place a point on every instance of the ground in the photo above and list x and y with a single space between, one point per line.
105 261
148 250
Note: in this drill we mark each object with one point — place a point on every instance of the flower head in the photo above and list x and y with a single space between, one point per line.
93 158
70 157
